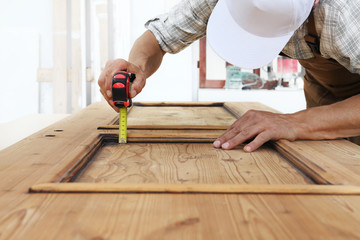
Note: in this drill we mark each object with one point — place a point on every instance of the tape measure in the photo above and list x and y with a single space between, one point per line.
123 125
121 84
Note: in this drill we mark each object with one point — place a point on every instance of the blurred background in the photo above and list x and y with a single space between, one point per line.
52 53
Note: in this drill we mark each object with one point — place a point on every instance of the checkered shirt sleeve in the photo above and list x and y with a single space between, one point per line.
182 25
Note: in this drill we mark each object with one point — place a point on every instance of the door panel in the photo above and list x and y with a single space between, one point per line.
169 150
187 163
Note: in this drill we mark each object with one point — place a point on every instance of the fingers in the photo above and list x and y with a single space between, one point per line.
236 137
239 130
258 127
258 142
231 133
113 66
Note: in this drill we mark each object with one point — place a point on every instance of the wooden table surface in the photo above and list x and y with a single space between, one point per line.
284 190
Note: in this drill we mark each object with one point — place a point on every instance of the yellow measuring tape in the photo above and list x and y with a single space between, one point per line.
123 125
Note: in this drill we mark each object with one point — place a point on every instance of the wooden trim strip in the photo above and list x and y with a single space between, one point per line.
64 169
170 140
80 163
301 163
178 104
162 137
320 168
193 188
168 127
171 134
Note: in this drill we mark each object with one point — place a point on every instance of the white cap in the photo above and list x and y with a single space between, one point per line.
251 33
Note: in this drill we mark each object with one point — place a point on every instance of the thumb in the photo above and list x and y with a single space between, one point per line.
137 85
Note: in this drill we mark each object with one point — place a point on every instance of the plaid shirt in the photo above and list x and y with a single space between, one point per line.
337 24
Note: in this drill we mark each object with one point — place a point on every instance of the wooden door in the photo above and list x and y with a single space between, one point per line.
169 149
168 182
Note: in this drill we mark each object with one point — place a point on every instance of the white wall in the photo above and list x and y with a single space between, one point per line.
25 38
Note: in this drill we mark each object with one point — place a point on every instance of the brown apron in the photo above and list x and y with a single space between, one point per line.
326 81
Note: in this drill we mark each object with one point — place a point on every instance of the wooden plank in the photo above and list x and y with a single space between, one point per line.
187 163
26 215
240 109
43 155
180 116
208 135
167 127
315 158
179 104
180 216
59 56
77 187
324 164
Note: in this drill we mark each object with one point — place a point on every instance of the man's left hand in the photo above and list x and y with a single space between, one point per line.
258 127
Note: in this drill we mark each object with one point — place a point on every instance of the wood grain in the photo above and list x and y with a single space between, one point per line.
80 187
180 116
179 104
200 216
166 127
326 162
187 163
165 135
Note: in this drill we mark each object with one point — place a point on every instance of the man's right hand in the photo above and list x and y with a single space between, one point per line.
113 66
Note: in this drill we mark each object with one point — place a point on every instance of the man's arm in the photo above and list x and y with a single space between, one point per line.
338 120
144 59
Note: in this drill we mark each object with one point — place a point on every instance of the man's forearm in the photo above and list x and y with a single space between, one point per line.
341 119
146 53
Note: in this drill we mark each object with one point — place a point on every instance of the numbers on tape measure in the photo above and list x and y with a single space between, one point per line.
123 125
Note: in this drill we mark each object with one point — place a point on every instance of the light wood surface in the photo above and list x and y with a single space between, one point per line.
180 116
187 163
46 156
326 162
85 187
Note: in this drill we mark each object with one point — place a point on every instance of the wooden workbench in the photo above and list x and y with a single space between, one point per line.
72 180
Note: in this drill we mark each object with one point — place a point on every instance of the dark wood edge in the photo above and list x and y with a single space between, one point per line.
195 188
299 164
167 127
178 104
312 168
